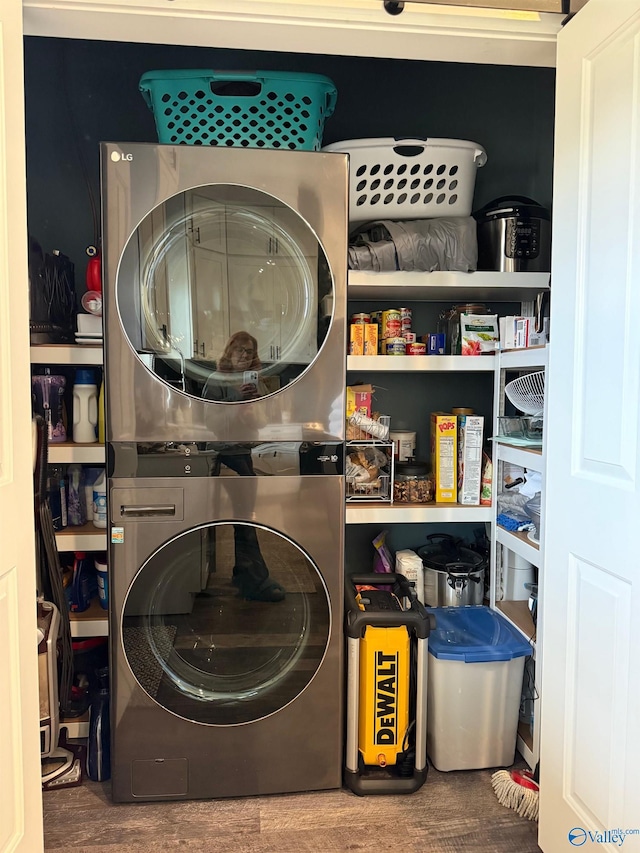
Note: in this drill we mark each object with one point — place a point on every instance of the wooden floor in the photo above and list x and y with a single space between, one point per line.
452 812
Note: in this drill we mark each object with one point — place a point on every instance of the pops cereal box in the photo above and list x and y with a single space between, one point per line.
444 456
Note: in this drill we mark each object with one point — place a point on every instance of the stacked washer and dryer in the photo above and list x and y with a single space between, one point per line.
225 300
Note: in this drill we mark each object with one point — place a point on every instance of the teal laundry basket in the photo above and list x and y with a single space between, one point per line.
249 109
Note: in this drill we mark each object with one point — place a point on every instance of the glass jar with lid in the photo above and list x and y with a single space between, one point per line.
412 482
449 323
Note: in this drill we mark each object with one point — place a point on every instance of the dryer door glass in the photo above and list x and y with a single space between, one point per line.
225 293
226 623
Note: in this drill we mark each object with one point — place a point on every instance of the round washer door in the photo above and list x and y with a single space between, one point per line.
226 623
225 292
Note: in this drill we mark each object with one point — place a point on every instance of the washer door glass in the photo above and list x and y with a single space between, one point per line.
226 623
225 293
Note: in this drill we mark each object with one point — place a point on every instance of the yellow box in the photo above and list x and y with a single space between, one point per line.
444 456
356 338
359 399
371 339
383 717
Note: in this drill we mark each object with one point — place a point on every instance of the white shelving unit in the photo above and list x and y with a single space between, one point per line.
520 543
406 287
92 622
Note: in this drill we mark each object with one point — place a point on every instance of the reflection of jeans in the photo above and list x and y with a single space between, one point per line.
250 568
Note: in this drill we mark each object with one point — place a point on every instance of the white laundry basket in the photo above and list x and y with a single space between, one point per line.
395 178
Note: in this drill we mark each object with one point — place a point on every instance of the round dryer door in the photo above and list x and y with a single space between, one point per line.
225 293
226 624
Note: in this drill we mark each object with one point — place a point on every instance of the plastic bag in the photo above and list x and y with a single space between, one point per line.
426 245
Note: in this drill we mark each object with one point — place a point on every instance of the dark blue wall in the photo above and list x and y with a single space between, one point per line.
79 93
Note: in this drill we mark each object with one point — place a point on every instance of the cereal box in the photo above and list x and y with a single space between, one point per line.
470 429
444 456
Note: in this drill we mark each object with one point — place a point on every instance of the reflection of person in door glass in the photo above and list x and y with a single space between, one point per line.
237 378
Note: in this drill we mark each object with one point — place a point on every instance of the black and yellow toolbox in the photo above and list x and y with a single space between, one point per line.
387 632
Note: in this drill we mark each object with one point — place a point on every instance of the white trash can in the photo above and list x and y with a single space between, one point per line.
476 664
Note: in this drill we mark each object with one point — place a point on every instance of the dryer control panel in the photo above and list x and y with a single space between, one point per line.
214 459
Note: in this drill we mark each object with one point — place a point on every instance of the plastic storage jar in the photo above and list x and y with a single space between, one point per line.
413 482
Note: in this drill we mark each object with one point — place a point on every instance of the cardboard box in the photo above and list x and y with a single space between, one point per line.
371 339
470 429
356 339
444 456
359 399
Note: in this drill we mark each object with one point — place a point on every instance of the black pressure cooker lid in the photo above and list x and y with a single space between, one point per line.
511 205
443 551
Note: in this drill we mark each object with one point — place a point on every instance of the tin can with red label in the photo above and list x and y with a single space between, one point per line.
416 349
409 337
405 319
391 324
360 318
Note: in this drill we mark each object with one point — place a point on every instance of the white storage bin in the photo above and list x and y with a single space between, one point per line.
394 178
518 572
476 665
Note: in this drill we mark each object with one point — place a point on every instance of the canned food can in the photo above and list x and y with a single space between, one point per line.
394 346
391 324
360 318
409 337
405 319
416 349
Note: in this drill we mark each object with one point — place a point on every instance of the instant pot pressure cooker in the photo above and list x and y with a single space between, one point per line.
514 235
453 573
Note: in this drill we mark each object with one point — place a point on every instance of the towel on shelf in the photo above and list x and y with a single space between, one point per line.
508 522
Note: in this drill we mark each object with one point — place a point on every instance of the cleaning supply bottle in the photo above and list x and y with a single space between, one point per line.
99 742
85 407
100 501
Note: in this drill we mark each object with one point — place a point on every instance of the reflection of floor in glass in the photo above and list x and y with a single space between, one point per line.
251 642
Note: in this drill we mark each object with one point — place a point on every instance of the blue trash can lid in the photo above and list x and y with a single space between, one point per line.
474 635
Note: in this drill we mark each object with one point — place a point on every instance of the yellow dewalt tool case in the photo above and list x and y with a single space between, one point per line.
387 631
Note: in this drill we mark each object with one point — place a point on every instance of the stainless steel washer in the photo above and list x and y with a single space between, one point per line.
218 692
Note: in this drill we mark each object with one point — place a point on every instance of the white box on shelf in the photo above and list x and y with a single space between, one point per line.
470 430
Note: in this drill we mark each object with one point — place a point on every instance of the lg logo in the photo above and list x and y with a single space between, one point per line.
116 156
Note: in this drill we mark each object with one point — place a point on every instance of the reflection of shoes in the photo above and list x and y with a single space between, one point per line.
268 590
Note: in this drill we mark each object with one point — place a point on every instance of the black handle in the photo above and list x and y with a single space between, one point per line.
416 617
505 199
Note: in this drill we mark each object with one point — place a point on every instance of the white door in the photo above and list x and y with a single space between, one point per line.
20 786
590 705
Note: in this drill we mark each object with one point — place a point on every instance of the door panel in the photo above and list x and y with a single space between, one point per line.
590 698
21 800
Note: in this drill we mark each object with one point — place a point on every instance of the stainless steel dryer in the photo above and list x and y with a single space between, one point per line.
210 248
216 693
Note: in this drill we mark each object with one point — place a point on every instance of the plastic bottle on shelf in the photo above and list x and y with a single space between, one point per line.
100 501
85 407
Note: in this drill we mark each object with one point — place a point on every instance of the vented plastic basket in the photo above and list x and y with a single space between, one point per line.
249 109
396 178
